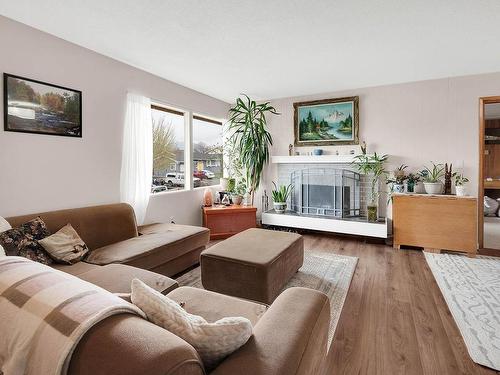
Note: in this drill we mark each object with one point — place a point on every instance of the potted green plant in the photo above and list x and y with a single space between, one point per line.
372 166
412 180
398 182
238 192
280 196
432 178
460 181
249 133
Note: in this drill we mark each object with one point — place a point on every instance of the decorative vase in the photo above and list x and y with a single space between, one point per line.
372 212
461 190
208 199
237 199
435 188
279 207
398 188
410 187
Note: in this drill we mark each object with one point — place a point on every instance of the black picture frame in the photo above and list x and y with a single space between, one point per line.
58 123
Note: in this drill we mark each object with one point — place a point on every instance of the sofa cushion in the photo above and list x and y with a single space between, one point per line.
75 269
98 226
214 306
65 246
117 278
151 250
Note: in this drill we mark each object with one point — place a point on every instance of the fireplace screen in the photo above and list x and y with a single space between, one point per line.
326 192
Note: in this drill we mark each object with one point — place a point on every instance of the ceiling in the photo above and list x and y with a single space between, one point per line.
279 48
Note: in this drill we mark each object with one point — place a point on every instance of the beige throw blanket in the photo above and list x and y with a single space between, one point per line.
43 315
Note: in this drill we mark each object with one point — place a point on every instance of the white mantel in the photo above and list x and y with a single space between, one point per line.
313 159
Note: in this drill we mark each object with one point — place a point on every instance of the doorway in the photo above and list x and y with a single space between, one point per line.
489 173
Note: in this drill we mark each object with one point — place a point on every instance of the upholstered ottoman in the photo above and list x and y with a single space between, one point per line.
254 264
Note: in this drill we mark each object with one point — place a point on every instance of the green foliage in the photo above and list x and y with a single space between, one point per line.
413 178
460 179
281 194
248 132
371 165
433 174
163 145
399 175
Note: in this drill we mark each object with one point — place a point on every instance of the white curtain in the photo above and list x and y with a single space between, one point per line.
137 155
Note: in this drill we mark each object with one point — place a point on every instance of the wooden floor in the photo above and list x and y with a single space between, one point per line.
394 320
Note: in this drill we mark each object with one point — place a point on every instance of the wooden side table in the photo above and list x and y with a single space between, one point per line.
225 221
435 222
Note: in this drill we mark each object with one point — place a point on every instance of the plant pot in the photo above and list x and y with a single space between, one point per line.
461 191
237 198
433 187
372 212
398 188
279 207
410 187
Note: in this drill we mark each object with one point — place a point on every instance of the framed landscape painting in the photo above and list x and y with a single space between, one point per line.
37 107
327 122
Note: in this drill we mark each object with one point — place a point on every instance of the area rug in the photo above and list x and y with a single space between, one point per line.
324 271
471 288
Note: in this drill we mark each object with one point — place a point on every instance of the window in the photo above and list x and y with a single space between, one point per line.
207 151
168 149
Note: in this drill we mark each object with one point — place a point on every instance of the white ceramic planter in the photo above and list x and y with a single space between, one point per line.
461 191
433 187
279 207
398 188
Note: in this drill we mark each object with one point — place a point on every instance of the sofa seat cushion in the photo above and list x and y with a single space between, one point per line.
117 278
151 250
214 306
75 269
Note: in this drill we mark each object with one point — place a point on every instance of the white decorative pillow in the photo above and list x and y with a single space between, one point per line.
65 246
4 226
212 341
490 206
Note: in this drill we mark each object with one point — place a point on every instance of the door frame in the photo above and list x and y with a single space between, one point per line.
480 193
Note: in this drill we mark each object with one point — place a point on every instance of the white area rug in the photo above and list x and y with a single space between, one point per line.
324 271
471 288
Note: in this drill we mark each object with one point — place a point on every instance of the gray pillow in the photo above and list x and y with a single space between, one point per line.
490 206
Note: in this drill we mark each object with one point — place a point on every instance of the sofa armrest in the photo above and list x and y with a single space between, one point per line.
129 345
291 338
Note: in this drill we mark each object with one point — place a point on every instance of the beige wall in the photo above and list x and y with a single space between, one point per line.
39 172
414 122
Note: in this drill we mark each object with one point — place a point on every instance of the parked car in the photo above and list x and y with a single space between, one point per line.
158 188
199 174
177 179
208 174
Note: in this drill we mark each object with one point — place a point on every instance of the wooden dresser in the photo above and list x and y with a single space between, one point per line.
435 222
225 221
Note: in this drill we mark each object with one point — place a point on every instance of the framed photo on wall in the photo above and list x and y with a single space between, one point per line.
327 122
32 106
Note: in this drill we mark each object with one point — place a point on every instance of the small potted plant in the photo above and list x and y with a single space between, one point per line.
460 181
280 196
397 183
432 178
412 180
238 192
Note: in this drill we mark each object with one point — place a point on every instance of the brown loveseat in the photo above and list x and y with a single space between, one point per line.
289 338
112 235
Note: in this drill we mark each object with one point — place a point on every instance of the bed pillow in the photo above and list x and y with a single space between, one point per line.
4 225
212 341
65 246
23 241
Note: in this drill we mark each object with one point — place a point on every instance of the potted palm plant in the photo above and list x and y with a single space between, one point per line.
460 181
372 166
249 133
280 196
432 178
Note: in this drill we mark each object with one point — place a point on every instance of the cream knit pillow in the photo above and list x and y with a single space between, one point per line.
212 341
4 225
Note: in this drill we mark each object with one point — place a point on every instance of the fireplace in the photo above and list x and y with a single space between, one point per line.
326 192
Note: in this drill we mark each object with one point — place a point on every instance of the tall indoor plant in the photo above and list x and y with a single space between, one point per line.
372 166
248 130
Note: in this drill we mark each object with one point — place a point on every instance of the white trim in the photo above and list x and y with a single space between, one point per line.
346 226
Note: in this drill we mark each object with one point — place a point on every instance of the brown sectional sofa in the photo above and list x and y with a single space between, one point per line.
119 248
